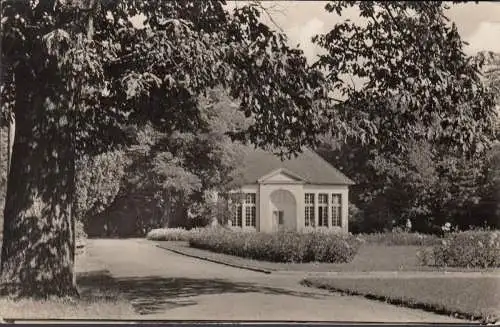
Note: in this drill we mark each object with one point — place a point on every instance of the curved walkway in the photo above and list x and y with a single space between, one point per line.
164 285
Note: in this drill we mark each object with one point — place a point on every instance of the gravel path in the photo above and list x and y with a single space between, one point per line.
164 285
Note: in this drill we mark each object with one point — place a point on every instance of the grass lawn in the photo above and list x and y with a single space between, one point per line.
371 257
95 301
469 297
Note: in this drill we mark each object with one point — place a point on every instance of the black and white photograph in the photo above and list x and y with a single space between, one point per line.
250 161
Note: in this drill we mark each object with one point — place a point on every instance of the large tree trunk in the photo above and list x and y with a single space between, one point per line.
39 242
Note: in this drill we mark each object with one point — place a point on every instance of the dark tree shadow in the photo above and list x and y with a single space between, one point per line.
152 294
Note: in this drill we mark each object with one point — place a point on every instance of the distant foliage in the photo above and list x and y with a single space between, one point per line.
489 205
355 217
424 183
469 249
186 167
279 247
98 182
417 83
428 117
180 168
491 71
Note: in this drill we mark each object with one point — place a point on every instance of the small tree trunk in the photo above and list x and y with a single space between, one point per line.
38 247
166 214
166 218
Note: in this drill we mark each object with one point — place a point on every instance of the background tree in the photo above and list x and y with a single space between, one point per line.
3 172
98 181
489 206
420 98
180 168
81 71
491 71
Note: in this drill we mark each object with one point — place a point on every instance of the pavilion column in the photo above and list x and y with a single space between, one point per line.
329 212
316 210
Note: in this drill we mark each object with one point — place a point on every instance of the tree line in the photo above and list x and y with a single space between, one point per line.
89 88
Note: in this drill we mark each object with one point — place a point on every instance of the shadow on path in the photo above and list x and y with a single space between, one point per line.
154 294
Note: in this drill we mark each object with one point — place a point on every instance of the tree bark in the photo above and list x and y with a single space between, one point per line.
39 245
10 139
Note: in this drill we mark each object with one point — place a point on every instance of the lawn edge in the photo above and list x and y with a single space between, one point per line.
222 262
406 302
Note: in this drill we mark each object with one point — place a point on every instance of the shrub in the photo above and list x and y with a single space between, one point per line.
98 180
396 238
425 256
355 217
469 249
279 247
170 234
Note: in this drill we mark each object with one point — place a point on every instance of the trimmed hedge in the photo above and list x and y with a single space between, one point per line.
401 238
170 234
290 247
469 249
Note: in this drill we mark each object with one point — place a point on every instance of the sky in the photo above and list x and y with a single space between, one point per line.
478 24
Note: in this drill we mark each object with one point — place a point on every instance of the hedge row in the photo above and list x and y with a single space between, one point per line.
169 234
401 238
279 247
469 249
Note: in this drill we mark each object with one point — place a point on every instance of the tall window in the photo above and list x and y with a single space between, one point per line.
238 215
250 210
323 210
309 210
238 210
336 210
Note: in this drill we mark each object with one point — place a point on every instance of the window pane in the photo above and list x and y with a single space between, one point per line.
309 216
336 199
309 198
323 216
235 215
309 210
336 209
323 210
336 221
239 219
323 198
248 216
250 198
250 209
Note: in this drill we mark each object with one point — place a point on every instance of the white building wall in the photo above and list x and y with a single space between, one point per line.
264 206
